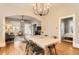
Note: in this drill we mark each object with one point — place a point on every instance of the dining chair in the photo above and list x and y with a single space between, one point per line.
33 49
37 50
29 47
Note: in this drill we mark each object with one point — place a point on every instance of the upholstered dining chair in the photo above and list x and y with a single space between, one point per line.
33 49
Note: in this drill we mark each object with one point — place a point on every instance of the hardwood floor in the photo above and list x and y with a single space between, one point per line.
66 48
63 48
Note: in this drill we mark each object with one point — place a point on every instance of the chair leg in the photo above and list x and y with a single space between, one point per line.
42 52
27 51
39 53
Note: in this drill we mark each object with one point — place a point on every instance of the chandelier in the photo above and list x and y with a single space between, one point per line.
41 8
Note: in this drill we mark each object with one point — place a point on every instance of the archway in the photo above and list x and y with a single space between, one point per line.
21 25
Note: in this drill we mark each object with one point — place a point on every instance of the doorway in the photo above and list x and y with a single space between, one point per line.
67 29
20 26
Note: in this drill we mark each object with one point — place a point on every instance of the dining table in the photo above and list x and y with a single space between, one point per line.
44 42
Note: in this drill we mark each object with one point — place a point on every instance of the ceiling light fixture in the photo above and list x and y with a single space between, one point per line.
41 8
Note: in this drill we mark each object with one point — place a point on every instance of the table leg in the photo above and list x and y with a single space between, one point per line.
55 49
50 49
46 51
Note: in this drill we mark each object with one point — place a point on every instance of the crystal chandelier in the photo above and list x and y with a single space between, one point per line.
41 8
